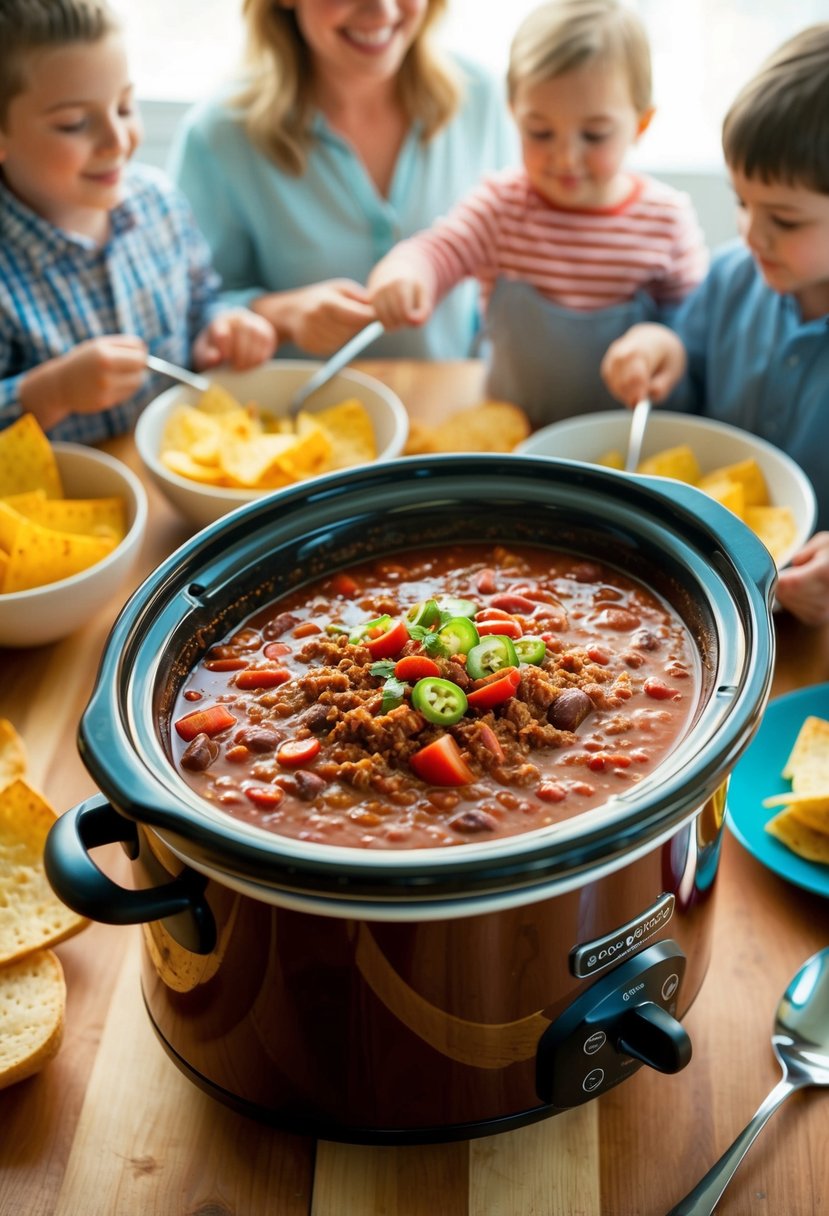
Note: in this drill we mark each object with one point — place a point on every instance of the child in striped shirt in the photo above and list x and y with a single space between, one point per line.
99 261
571 248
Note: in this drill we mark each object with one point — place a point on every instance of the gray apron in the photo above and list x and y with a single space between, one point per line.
546 358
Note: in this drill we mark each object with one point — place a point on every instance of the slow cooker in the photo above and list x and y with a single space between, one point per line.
423 994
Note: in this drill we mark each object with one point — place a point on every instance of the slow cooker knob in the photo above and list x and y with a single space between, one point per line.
650 1034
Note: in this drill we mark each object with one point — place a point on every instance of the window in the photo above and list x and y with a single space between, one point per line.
702 51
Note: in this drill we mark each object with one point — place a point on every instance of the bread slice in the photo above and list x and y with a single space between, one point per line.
32 1005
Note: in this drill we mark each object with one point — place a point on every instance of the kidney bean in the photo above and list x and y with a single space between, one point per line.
302 784
473 821
258 738
658 689
246 639
316 719
485 582
585 572
279 625
200 753
617 618
645 639
569 709
512 602
551 791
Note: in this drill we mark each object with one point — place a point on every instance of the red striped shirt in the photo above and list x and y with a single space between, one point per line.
582 260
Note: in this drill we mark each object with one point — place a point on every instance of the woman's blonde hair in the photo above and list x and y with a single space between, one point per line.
559 37
276 102
777 128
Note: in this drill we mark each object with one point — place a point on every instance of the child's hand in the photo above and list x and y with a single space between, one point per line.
803 587
320 318
239 337
401 301
90 378
647 361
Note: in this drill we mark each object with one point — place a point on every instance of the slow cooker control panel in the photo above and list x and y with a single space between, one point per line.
626 1019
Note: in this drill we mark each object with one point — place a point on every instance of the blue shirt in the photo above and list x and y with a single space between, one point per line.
152 278
755 363
270 231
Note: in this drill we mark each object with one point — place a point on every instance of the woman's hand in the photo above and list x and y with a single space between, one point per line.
399 295
319 319
238 337
88 379
647 361
803 587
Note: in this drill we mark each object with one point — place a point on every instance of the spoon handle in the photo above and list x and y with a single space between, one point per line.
705 1196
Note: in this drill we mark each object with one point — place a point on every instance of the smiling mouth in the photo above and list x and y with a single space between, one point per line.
370 40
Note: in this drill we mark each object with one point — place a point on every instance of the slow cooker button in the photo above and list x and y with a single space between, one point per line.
593 1080
650 1034
595 1043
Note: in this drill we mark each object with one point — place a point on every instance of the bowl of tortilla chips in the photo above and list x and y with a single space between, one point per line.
214 451
72 520
750 476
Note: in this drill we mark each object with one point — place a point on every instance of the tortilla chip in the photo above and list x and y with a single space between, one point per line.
679 462
808 843
808 764
38 555
183 464
80 516
730 493
194 432
28 500
12 754
775 527
259 465
217 400
27 461
350 433
32 1007
311 452
750 476
31 915
612 460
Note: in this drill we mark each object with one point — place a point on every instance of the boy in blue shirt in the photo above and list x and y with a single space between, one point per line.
99 263
751 345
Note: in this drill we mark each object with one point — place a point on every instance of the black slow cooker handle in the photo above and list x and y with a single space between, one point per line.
85 889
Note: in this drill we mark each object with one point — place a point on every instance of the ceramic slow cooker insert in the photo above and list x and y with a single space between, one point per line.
425 993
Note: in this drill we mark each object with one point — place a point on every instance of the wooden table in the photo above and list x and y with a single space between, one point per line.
111 1128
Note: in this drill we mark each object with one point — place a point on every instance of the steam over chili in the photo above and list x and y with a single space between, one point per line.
440 697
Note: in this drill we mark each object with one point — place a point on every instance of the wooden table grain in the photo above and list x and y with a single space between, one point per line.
111 1128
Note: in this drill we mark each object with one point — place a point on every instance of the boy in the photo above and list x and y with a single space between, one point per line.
572 248
98 263
755 336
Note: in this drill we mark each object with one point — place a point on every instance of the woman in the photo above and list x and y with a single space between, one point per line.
351 132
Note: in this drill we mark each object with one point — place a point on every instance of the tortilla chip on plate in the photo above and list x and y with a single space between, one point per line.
798 836
808 764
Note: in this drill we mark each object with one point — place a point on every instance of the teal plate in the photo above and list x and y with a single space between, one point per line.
757 775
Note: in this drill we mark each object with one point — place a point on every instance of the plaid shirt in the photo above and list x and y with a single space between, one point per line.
153 279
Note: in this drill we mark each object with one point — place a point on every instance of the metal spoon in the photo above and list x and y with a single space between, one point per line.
200 383
801 1044
637 433
370 333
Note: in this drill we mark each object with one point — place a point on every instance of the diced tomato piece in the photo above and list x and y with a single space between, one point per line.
390 643
265 796
495 692
441 763
297 751
210 721
262 677
507 627
415 667
502 673
491 741
275 650
344 584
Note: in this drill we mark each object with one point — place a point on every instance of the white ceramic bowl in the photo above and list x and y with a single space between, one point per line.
588 436
271 386
53 611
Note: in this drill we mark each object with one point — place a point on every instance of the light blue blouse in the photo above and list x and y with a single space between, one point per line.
270 231
753 362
